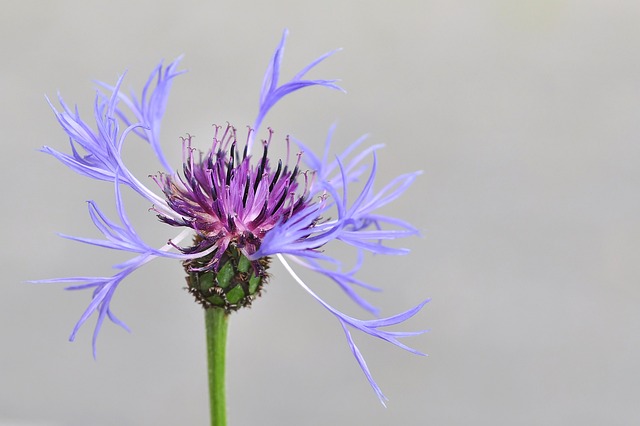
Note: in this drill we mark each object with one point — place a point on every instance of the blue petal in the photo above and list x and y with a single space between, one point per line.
363 365
149 110
346 280
271 93
102 158
370 327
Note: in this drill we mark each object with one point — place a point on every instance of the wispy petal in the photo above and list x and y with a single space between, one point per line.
149 109
271 93
363 365
370 327
346 280
102 158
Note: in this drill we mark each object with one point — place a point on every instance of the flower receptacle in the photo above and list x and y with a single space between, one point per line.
235 284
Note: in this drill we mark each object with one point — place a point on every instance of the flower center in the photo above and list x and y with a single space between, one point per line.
227 198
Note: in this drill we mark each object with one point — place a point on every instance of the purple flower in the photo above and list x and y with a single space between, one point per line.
236 204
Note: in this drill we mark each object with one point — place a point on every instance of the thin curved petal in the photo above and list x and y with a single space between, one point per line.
363 365
150 108
370 327
271 93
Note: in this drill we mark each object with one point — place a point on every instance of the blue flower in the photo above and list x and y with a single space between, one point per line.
231 201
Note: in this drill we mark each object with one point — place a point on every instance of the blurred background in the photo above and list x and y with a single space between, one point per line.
524 117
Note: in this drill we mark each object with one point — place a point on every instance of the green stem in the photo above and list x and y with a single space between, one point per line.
216 324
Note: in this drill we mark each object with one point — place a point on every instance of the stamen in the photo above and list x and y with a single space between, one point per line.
280 202
246 192
248 141
232 151
229 172
261 215
185 148
268 141
276 176
298 204
263 163
216 141
194 184
288 149
226 136
214 193
261 168
232 224
294 174
291 203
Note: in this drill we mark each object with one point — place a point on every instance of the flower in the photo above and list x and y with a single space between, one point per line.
242 209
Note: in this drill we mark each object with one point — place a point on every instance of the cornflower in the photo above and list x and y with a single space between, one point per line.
240 209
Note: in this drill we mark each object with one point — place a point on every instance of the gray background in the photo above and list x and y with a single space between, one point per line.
524 116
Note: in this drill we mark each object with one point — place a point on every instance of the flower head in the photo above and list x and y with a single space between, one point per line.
227 199
240 208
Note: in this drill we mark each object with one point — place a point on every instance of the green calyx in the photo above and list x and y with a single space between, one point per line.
235 285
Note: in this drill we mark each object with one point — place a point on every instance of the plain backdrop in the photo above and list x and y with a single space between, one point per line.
524 117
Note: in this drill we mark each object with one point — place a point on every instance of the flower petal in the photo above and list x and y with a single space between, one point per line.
369 327
271 93
149 110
